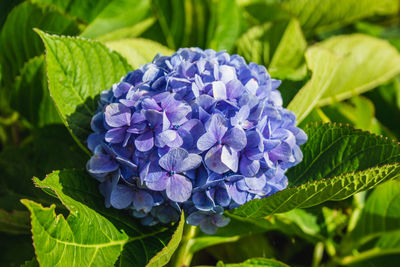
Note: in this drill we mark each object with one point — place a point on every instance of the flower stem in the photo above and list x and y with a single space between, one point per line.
183 256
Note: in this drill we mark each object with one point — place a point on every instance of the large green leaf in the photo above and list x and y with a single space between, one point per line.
254 263
225 24
31 96
381 213
361 68
183 23
342 67
319 191
79 193
288 58
334 149
349 160
138 51
78 70
19 42
86 11
85 238
323 65
117 15
321 14
281 45
47 148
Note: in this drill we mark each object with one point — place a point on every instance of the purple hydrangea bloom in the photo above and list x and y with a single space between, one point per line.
198 131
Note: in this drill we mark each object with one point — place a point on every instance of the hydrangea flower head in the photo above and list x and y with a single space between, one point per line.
198 131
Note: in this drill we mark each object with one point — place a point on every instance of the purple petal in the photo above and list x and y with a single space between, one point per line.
115 135
151 172
142 201
194 127
150 103
206 141
217 126
234 89
282 152
160 184
241 116
137 117
154 117
220 220
208 227
145 142
270 144
235 138
167 137
195 218
117 115
238 196
178 188
249 168
121 88
94 140
222 197
227 73
101 164
213 160
187 139
173 159
192 161
121 197
219 90
230 158
202 201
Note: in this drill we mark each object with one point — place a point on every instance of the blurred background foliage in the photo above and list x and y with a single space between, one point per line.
290 37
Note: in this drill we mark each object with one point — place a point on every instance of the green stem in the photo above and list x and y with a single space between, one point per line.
183 256
365 255
318 253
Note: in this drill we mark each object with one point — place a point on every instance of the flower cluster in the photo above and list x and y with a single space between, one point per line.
199 131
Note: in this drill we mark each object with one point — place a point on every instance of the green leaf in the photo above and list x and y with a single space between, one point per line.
323 65
333 150
281 45
78 70
349 160
314 14
79 193
247 247
70 240
15 222
117 15
18 40
138 51
342 67
288 58
319 191
127 32
361 68
31 96
86 11
225 24
47 148
31 263
381 213
183 23
202 242
254 263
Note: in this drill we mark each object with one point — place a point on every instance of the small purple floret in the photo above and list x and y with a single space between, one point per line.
199 131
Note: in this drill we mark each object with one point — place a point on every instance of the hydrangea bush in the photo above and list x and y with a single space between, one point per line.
198 131
198 139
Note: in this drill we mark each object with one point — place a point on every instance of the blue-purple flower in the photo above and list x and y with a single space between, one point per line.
198 131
